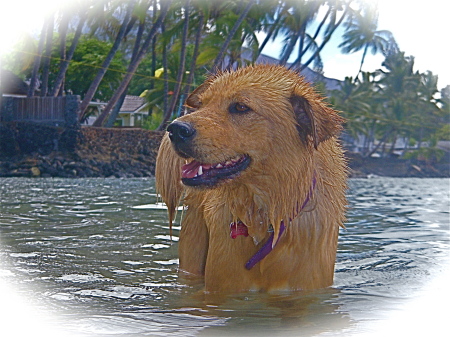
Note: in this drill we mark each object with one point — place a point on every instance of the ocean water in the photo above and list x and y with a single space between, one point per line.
94 257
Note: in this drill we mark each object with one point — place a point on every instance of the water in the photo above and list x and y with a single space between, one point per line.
94 257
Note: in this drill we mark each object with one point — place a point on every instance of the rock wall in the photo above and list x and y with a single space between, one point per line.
34 150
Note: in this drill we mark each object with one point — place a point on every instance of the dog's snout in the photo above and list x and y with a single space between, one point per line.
180 132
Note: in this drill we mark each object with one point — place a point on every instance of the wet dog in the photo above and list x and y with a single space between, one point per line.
258 167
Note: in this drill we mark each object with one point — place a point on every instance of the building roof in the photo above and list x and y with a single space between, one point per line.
132 104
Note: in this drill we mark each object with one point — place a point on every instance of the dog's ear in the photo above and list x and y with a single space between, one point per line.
168 176
316 121
193 101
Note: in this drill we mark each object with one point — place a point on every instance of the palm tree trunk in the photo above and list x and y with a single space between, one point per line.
381 142
328 37
101 73
64 65
153 69
47 55
37 62
271 31
362 62
63 27
302 51
288 51
193 65
392 149
181 69
133 65
165 74
223 49
115 112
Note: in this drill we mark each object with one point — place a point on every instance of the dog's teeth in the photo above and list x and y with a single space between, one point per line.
200 170
219 166
228 162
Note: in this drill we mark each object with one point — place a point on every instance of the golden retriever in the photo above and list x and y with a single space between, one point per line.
262 177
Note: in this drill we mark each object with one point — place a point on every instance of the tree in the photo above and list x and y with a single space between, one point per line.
181 69
445 101
332 15
391 103
234 29
37 61
295 24
359 103
271 21
81 71
362 34
139 15
101 72
164 7
65 58
198 37
47 54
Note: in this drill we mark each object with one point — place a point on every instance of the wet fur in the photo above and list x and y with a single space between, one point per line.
290 135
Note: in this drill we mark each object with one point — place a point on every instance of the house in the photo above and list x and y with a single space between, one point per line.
131 114
133 110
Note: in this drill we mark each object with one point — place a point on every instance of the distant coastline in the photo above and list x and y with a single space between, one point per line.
127 153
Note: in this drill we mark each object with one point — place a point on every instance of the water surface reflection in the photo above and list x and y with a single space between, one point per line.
98 255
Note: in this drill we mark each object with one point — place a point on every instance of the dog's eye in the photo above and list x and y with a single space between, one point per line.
188 110
238 108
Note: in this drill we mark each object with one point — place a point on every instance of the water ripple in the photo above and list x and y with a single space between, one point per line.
90 246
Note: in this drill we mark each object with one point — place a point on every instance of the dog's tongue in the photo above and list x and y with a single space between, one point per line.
238 228
190 170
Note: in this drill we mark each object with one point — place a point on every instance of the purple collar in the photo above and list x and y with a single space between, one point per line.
240 228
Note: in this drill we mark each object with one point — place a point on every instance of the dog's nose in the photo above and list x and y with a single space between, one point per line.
180 132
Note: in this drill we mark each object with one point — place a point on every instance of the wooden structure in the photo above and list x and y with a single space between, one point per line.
56 111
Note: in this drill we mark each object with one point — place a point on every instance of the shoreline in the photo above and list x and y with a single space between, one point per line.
131 153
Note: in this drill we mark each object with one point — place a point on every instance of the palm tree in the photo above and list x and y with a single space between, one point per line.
181 69
65 58
47 54
358 101
234 29
164 7
362 34
101 73
334 7
295 24
404 110
199 27
272 20
37 61
140 14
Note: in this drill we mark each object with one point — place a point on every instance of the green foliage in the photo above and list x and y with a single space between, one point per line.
86 62
21 60
152 121
391 103
430 155
444 132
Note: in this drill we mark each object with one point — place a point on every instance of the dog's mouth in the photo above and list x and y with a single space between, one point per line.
198 174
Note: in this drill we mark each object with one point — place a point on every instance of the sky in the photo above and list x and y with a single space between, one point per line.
421 28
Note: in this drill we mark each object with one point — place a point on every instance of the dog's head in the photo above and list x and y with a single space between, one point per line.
245 121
